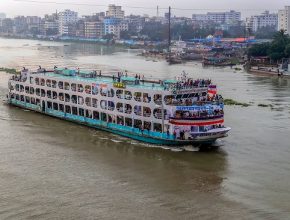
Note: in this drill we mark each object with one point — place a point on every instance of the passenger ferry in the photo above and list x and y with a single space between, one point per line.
179 111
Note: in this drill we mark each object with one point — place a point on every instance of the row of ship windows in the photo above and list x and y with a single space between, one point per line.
105 105
121 120
94 90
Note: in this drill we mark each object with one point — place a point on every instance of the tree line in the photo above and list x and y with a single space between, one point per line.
276 50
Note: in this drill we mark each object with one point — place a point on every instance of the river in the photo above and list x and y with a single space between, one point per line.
53 169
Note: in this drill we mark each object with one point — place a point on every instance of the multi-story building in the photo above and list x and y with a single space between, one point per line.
231 17
115 12
66 19
93 29
2 15
115 26
266 19
283 19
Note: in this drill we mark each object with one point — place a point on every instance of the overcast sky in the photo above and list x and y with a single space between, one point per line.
41 7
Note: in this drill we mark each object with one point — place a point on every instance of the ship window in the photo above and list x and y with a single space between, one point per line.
54 94
80 88
74 110
27 89
42 82
111 93
146 98
111 106
17 87
81 112
37 91
31 90
94 89
43 93
49 94
22 98
120 120
33 101
95 103
146 112
60 85
103 116
48 83
88 101
17 97
157 127
55 106
53 84
128 122
128 95
37 81
128 109
67 97
104 91
137 124
49 105
67 109
138 110
137 96
169 99
88 89
61 107
74 99
120 94
37 101
96 115
66 86
80 100
61 96
110 119
158 99
120 107
103 104
88 114
147 125
27 99
158 113
73 87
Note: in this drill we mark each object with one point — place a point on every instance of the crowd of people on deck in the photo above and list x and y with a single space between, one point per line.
198 114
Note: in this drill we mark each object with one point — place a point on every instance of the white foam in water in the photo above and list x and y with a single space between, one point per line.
176 149
191 148
116 141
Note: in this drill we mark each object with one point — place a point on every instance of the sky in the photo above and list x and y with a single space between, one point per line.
40 7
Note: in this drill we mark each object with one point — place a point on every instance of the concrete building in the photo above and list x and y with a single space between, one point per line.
266 19
231 17
283 19
66 19
115 26
115 12
93 29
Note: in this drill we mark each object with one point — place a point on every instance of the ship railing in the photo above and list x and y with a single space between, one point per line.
207 117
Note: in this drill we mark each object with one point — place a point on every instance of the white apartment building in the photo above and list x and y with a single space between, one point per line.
65 18
254 23
230 17
283 19
115 12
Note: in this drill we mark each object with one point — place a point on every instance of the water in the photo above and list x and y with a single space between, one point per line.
53 169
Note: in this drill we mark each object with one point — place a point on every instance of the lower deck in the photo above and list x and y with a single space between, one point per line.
147 136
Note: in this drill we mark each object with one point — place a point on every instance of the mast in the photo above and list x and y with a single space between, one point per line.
169 29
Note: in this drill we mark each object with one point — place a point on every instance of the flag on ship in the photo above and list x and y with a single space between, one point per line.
212 90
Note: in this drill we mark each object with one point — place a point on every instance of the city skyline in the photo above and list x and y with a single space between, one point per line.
40 7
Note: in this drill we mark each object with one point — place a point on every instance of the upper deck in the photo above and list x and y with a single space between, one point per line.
180 85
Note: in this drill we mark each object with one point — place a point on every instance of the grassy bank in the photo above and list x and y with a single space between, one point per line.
9 70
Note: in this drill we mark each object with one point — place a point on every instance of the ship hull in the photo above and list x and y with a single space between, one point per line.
124 131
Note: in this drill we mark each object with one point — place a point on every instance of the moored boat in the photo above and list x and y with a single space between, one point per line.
180 111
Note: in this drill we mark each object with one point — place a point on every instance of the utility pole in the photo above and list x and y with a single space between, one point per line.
157 11
169 29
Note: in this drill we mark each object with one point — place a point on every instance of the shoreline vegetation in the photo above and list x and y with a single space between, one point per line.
9 70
